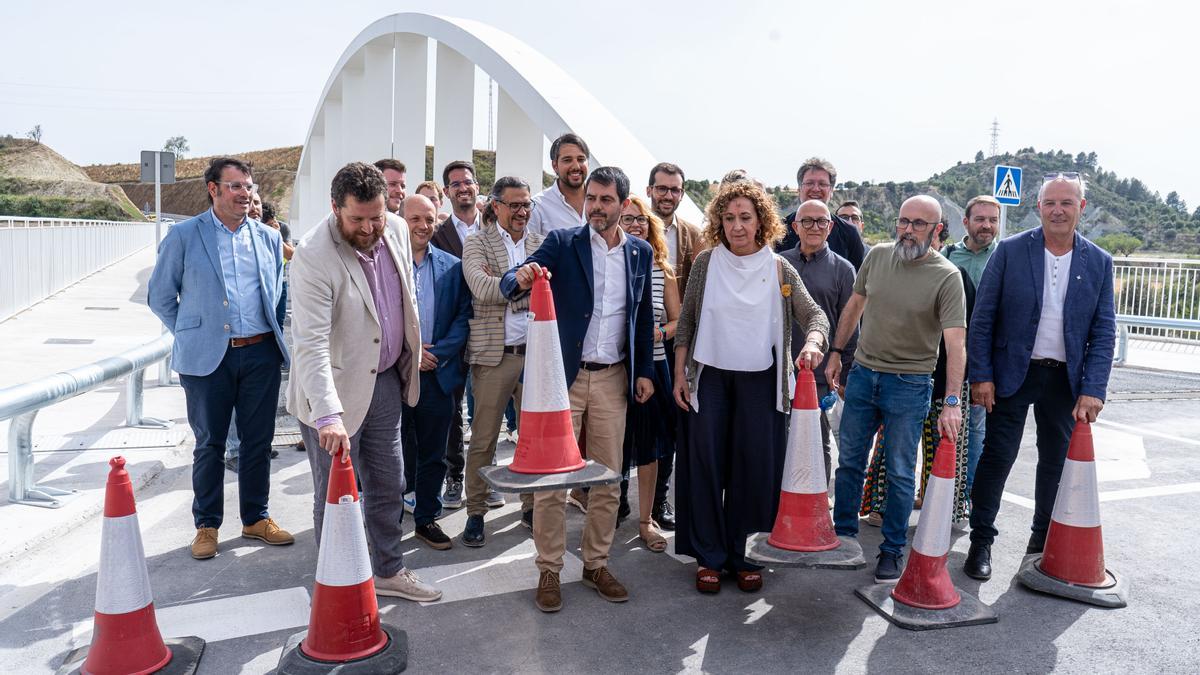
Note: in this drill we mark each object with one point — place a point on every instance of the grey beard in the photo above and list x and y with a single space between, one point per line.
910 252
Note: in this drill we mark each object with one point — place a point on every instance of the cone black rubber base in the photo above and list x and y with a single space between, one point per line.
1114 594
969 611
503 479
847 556
185 657
393 658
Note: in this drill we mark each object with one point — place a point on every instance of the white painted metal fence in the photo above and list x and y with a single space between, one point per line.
41 256
1158 288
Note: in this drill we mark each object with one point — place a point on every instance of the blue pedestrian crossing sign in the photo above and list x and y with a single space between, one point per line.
1006 185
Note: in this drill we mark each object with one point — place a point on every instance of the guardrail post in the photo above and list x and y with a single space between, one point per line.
21 488
134 394
1122 344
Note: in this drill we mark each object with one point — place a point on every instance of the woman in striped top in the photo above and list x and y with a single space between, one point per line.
650 426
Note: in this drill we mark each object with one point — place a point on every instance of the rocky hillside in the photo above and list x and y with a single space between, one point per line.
37 181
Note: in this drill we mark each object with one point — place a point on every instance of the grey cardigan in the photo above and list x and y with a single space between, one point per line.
798 307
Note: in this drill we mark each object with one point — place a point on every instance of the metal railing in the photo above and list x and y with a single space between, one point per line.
1160 291
41 256
21 404
1127 323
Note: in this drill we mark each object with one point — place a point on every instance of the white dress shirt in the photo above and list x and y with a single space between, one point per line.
463 228
552 212
1049 342
516 324
673 243
604 341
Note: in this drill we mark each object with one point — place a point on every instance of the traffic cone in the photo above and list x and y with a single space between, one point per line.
125 636
547 455
1072 564
803 533
344 625
925 597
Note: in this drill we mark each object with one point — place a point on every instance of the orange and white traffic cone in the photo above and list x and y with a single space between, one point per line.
1072 564
547 455
803 532
925 597
344 625
125 637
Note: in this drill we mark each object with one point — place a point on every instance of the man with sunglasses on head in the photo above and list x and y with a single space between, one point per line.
684 242
909 298
215 287
829 279
816 179
1042 334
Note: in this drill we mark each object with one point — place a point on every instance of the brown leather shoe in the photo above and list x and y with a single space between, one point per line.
204 546
549 592
266 530
605 584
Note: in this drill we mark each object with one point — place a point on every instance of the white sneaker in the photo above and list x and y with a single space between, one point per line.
494 499
410 501
406 585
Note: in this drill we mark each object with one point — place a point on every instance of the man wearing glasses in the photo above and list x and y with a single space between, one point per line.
463 190
215 287
1042 334
684 242
496 346
816 180
829 279
561 205
909 298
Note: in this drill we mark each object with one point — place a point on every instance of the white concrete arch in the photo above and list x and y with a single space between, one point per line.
359 118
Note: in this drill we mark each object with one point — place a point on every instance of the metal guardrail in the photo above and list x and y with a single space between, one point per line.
1160 292
21 403
41 256
1126 322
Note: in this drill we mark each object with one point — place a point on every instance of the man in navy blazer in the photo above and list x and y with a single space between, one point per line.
1042 334
215 286
601 283
444 308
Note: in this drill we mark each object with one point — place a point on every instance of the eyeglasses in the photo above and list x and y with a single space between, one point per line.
815 223
663 190
917 225
1065 175
516 206
630 220
810 184
237 186
463 183
852 217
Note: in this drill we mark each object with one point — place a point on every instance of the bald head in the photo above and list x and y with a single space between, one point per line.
921 207
918 224
812 224
421 216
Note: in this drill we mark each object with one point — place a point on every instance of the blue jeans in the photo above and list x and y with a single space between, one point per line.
900 402
975 442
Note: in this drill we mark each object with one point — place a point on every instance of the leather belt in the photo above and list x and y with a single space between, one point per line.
247 341
593 367
1048 363
518 350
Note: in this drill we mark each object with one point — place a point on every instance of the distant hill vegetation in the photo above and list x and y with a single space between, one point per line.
1122 214
36 181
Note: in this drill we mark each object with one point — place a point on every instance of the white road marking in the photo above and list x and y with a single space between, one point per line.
1157 491
225 618
1147 432
694 663
758 609
512 570
862 646
1119 456
1018 500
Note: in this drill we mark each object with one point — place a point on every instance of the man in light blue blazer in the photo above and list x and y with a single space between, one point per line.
1042 334
444 308
215 286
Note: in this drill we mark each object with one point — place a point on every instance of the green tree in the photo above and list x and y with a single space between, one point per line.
1119 243
177 145
35 134
979 156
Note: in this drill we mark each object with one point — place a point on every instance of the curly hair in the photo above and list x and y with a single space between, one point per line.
656 236
770 227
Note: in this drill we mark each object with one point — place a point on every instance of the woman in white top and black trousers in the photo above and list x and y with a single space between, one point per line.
733 374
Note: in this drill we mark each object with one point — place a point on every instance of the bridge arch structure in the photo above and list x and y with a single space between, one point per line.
375 103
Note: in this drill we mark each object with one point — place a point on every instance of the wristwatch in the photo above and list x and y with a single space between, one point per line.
952 400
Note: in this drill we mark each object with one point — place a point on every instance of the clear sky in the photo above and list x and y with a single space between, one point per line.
886 90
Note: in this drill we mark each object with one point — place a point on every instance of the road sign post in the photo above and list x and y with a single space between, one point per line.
159 166
1006 188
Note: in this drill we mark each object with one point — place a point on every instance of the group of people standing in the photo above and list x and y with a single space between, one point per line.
680 344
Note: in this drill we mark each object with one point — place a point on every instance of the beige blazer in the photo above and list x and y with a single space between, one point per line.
335 329
485 248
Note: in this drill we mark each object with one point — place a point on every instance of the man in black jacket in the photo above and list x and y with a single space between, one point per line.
815 180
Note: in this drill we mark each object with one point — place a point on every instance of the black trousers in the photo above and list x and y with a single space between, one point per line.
1049 392
456 460
666 463
247 380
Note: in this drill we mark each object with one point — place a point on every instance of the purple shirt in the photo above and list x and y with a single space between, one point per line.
388 294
